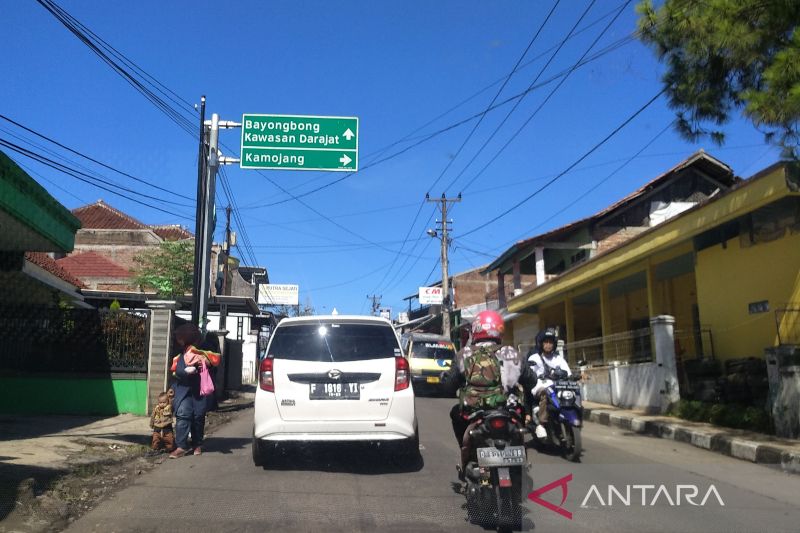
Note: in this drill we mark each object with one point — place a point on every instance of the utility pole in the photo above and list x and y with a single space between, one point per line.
199 214
376 303
209 161
209 220
443 201
223 308
225 267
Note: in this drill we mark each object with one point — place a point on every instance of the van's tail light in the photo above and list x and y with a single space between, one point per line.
402 374
266 378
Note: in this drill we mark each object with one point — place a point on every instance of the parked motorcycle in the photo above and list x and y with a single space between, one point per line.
494 472
565 414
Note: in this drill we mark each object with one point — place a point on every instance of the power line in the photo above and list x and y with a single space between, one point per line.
607 50
104 165
500 90
436 264
541 105
77 29
51 182
608 177
77 175
570 167
552 92
392 286
472 132
409 136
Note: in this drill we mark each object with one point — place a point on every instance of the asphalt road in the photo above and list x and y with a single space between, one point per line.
357 489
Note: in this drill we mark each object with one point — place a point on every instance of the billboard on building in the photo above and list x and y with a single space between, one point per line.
430 296
274 294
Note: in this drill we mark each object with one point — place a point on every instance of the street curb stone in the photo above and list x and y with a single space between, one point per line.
738 448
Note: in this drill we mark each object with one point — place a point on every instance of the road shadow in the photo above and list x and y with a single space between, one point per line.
225 445
20 484
486 519
350 458
15 427
551 450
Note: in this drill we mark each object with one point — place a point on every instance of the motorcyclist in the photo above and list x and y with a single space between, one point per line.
486 375
544 363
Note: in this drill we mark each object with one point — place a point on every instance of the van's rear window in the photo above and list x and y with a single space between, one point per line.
333 342
433 350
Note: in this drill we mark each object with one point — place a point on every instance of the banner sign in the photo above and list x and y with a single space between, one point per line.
430 296
278 294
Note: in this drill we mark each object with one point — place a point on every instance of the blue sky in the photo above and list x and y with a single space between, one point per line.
395 65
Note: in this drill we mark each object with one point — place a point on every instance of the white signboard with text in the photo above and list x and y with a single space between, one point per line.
278 294
430 296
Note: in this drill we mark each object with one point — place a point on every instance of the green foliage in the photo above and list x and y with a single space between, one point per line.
727 55
169 270
728 415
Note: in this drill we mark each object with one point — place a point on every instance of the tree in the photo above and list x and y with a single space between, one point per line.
727 55
295 310
169 270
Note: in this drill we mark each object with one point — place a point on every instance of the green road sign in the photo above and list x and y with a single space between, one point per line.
284 142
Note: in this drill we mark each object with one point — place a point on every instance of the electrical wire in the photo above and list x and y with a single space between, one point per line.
93 160
607 50
468 137
538 108
570 167
606 178
77 175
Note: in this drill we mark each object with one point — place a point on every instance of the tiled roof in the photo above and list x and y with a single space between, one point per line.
172 232
712 166
100 215
93 265
46 262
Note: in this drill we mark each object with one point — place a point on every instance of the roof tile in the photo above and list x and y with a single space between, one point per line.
93 265
100 215
46 262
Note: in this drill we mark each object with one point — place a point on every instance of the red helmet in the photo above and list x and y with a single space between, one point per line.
488 325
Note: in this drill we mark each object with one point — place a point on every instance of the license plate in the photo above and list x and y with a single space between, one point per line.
510 455
433 379
567 385
334 391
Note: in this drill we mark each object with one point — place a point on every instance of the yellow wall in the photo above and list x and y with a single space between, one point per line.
628 307
728 279
526 326
587 321
552 315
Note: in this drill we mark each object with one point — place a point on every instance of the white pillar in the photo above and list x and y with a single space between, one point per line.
159 358
662 328
540 279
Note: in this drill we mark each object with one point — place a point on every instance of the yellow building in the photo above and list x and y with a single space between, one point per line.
727 269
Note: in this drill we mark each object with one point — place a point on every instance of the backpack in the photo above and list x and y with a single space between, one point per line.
484 389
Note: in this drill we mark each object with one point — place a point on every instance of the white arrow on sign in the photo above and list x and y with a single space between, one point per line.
344 160
348 134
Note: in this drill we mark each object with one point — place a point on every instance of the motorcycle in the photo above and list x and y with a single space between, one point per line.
494 471
565 414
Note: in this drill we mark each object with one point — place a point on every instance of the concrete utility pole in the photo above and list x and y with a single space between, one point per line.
199 215
223 308
209 161
443 201
376 303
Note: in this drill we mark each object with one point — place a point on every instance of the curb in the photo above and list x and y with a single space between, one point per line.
707 439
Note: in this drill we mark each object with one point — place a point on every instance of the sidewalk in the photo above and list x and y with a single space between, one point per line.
54 468
47 441
746 445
